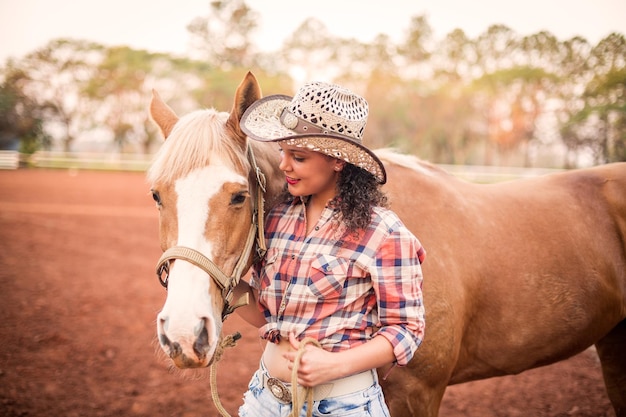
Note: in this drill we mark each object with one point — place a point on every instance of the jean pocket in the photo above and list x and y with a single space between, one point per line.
369 402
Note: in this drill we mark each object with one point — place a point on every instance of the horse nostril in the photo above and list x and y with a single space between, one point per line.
161 326
199 327
201 345
164 340
175 350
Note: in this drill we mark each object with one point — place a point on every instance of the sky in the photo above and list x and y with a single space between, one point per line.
160 25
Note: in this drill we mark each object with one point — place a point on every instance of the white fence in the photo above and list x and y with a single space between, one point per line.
9 159
96 161
136 162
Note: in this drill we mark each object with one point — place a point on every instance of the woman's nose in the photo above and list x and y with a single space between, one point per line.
283 165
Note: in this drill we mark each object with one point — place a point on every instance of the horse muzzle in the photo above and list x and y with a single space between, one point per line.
188 352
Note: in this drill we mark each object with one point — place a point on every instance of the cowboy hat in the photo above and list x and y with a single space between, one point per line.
321 117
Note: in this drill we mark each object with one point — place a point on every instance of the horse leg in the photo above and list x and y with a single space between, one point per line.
611 350
408 396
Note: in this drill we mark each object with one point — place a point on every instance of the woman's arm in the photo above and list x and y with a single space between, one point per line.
250 312
318 366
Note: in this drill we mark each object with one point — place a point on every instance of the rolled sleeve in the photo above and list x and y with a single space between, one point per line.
397 279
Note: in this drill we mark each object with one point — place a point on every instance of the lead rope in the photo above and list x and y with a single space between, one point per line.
226 342
297 401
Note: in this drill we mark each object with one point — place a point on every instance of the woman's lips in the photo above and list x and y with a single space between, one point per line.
291 181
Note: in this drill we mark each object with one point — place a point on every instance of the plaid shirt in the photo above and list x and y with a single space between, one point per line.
341 292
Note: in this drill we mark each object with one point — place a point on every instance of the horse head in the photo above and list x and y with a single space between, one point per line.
208 189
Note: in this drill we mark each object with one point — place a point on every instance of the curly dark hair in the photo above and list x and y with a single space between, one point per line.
358 193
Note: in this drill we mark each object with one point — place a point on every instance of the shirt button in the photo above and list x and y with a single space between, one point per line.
317 228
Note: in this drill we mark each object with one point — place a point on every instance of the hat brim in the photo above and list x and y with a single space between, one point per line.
261 122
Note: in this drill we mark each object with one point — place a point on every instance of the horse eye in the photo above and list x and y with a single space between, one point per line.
238 198
156 197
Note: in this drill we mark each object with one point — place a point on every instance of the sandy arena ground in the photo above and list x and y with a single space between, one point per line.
79 298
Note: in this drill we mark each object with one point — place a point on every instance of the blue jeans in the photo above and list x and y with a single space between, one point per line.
259 402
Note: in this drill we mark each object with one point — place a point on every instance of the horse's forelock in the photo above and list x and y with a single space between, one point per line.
196 140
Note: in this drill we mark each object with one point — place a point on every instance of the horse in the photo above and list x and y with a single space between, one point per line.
518 274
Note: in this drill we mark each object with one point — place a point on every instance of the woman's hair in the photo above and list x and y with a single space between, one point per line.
358 193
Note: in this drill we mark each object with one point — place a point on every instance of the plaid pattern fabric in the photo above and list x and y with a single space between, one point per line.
339 289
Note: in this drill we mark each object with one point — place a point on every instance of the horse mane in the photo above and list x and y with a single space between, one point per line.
196 140
392 156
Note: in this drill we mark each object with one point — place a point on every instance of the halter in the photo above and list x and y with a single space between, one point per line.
225 282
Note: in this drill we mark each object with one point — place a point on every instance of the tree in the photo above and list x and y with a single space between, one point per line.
414 51
21 122
574 72
118 86
513 99
605 95
310 50
224 37
455 59
600 122
56 74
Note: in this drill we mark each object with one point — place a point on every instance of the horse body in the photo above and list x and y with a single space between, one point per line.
517 275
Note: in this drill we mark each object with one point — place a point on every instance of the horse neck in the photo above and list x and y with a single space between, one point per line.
268 158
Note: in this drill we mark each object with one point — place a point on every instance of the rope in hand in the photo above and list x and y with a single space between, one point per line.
226 342
297 401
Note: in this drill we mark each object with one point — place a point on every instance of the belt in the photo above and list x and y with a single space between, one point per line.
353 383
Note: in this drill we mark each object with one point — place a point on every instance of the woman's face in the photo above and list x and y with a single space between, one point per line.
309 173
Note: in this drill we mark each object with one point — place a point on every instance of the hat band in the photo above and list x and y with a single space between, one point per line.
298 125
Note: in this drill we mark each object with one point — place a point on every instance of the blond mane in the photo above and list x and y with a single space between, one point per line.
392 156
197 139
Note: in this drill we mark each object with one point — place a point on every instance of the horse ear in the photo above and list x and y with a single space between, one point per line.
247 93
162 114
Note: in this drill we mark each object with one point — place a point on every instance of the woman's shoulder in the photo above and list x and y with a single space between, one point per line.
386 219
395 229
386 216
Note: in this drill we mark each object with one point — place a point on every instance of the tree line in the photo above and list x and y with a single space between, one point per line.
496 99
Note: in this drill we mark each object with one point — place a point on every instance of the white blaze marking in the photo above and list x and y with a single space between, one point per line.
194 193
188 291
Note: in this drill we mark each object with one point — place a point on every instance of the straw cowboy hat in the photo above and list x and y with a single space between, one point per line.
322 117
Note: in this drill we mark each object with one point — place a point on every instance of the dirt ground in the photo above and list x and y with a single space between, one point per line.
79 298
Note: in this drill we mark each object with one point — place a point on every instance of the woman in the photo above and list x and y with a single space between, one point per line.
341 270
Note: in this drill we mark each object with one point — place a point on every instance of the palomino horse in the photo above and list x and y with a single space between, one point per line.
518 274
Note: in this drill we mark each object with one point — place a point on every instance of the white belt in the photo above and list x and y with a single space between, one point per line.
353 383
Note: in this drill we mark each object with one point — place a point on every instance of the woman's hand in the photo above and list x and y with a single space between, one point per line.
317 366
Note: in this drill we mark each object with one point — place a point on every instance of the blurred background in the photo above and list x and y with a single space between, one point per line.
517 84
489 89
